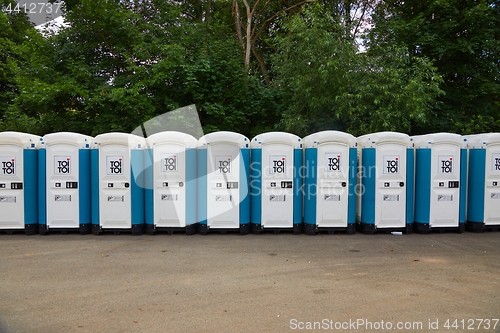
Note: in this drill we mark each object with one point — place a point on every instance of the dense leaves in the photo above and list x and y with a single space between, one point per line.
253 66
461 37
331 85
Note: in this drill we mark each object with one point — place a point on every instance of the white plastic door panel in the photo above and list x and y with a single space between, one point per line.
277 185
115 182
62 186
332 185
169 185
223 183
390 197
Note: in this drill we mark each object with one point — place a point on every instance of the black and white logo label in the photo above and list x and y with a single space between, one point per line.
62 165
391 164
332 161
168 162
277 164
223 165
114 165
495 162
445 165
8 166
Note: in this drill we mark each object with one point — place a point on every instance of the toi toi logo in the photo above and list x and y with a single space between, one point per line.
279 166
170 163
9 167
225 166
392 166
115 167
334 163
63 166
447 166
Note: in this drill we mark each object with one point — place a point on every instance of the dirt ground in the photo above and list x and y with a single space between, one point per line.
252 283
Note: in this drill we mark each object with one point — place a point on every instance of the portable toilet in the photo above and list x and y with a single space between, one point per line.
223 182
276 182
171 183
64 183
117 165
483 199
386 182
330 176
440 181
18 182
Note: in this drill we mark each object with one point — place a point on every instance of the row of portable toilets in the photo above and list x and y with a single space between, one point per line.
328 181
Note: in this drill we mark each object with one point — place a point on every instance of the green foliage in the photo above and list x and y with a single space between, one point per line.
461 38
426 66
329 85
118 64
13 30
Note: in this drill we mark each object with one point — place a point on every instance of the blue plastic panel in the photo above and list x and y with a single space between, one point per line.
368 181
256 186
244 186
191 185
42 183
149 186
202 186
423 185
30 157
84 186
94 177
410 184
477 168
137 189
297 184
311 186
463 185
353 169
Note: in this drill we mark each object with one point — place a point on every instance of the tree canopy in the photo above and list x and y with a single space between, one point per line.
252 66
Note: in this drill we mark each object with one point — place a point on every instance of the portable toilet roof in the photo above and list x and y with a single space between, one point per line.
373 139
224 136
482 140
276 137
312 140
24 140
131 140
80 140
427 140
172 136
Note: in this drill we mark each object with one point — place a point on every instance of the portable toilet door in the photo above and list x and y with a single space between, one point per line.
223 183
276 182
117 165
171 183
483 199
386 182
330 176
18 182
64 183
440 182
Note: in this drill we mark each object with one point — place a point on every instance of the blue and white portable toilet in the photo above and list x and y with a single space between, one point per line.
385 193
330 176
223 182
276 182
171 183
117 165
440 181
483 199
64 183
18 182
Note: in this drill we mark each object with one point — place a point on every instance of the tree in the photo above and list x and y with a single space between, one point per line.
461 37
14 29
330 85
118 64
